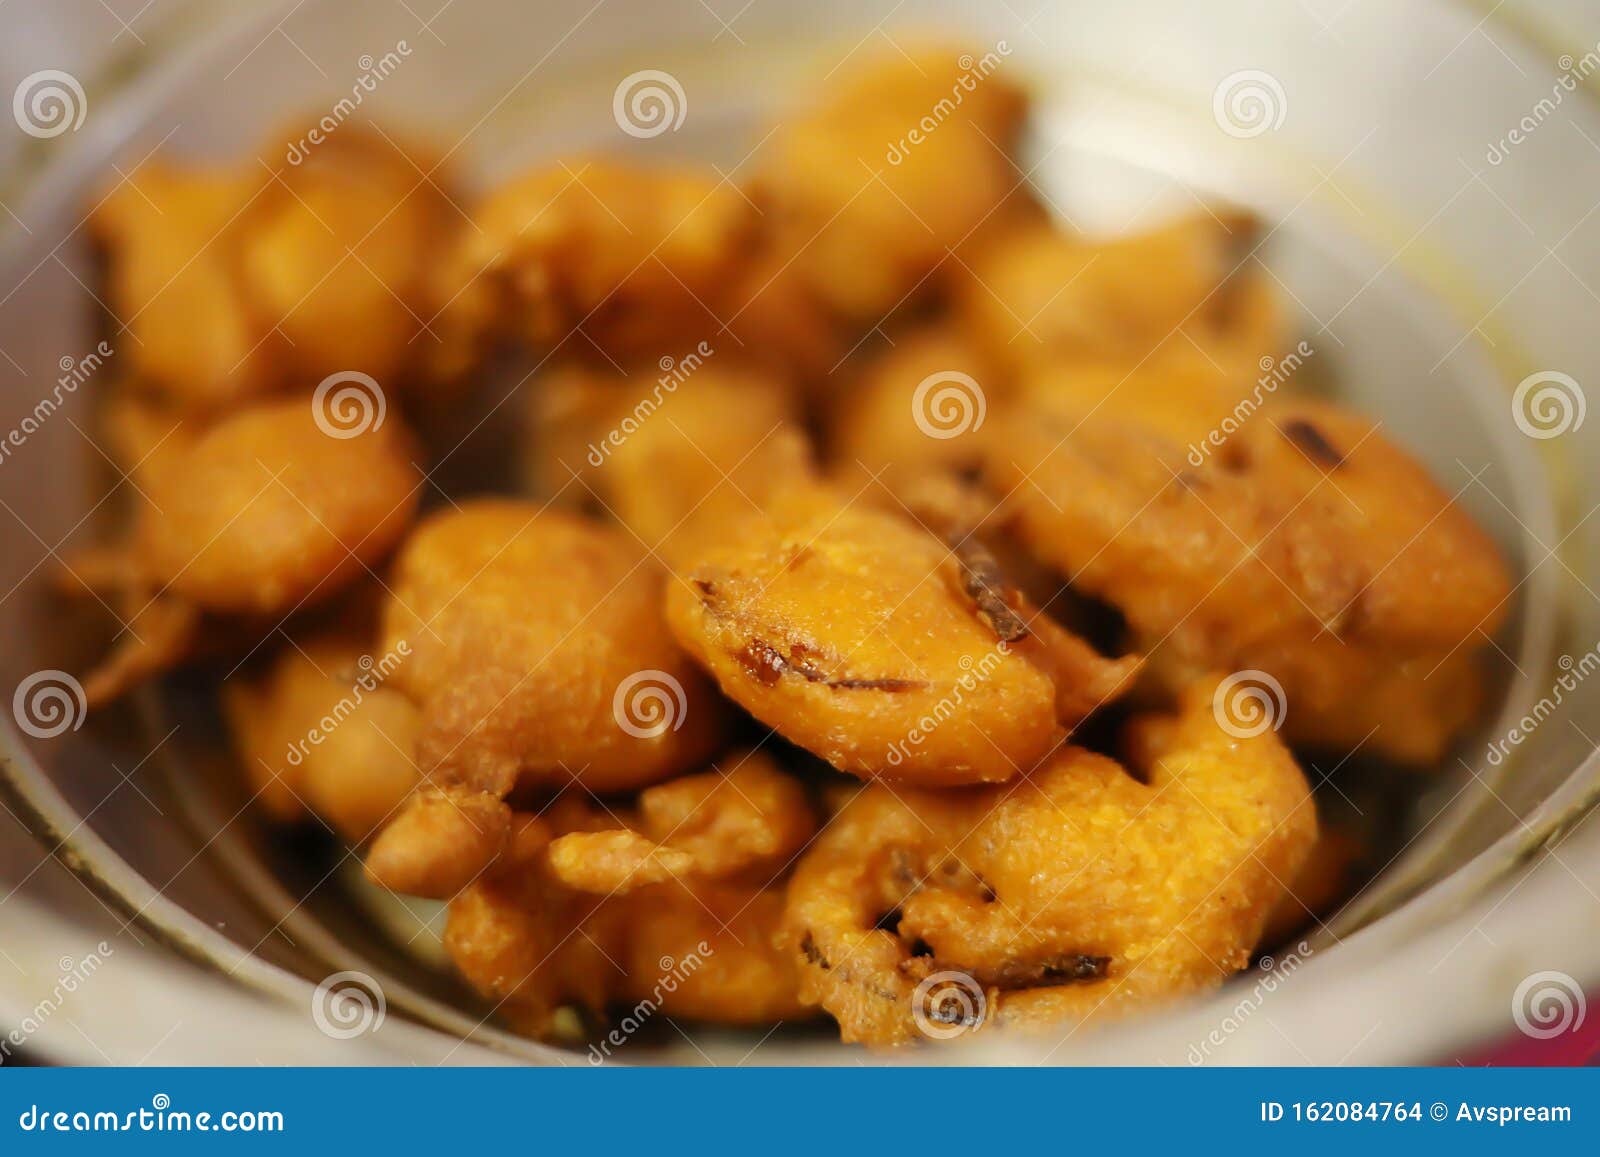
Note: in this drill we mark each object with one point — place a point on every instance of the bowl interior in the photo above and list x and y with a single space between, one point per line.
1124 133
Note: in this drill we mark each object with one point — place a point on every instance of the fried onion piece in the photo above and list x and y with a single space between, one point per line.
1307 545
1100 889
319 731
539 657
855 634
746 822
869 214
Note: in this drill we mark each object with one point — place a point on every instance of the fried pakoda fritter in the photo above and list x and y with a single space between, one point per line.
1308 546
319 732
745 824
1085 889
539 656
865 640
1041 297
233 282
547 927
625 253
254 517
862 193
671 455
916 408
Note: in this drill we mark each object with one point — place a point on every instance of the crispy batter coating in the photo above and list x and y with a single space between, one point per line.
234 281
170 240
320 732
919 407
1082 888
251 518
632 256
859 636
1324 880
868 210
746 823
539 657
265 510
1308 545
1042 297
671 453
700 948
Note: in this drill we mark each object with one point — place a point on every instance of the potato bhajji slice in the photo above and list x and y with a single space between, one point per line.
864 639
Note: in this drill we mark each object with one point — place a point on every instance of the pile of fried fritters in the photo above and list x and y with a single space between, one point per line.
901 589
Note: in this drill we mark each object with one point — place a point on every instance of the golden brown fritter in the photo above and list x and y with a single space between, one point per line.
862 638
235 281
266 510
539 657
1080 887
1323 881
1306 540
252 518
671 453
1042 297
746 822
862 188
319 731
919 407
169 235
701 949
632 256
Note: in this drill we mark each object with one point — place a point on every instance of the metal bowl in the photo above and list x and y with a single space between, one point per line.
1435 246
